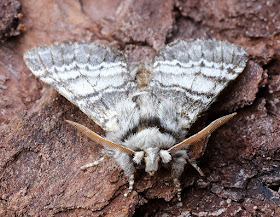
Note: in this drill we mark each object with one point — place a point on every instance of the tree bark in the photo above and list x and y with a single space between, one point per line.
41 155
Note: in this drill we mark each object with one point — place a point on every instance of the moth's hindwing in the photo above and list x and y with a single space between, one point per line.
194 72
91 76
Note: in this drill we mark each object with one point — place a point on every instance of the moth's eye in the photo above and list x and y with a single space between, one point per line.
145 154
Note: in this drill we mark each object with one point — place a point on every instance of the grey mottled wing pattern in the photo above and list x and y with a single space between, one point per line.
92 76
194 72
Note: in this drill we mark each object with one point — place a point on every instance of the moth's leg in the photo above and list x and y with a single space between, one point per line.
178 188
126 163
177 168
130 185
94 163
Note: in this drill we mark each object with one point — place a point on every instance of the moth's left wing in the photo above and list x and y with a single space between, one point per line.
92 76
193 73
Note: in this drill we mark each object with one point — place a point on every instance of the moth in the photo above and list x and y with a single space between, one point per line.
146 109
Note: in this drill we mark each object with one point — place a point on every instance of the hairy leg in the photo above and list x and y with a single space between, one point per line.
177 169
130 185
125 162
94 163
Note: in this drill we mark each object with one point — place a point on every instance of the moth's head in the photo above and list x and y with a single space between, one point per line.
152 157
150 147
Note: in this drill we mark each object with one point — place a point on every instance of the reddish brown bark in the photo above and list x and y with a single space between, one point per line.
40 154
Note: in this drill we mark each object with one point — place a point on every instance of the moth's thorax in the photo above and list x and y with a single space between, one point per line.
142 111
149 138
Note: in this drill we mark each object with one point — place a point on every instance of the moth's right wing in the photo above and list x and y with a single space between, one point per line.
91 76
193 73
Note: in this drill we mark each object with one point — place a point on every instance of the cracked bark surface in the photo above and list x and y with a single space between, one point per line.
9 18
40 154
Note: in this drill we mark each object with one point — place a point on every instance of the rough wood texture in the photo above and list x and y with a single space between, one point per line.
40 154
9 18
